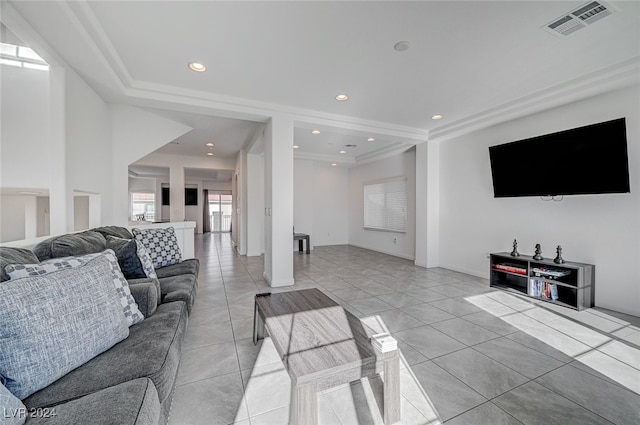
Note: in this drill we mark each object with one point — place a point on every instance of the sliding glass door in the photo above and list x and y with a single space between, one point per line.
220 212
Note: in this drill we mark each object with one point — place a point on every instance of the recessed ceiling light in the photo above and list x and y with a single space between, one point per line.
210 153
342 97
436 117
371 139
315 132
343 151
210 145
401 46
197 67
334 164
296 146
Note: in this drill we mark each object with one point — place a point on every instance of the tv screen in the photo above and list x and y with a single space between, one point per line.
585 160
190 196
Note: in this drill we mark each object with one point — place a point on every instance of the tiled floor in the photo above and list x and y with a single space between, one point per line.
471 355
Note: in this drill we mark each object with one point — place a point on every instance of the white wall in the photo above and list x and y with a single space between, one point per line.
88 144
303 199
25 130
321 202
143 184
255 204
136 133
12 217
396 166
599 229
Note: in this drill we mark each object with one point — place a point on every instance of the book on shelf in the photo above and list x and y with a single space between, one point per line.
512 268
541 289
549 273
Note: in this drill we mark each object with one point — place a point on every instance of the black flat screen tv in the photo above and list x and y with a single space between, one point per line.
585 160
190 196
165 196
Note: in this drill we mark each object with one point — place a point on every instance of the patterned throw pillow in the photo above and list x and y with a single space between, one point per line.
161 244
13 411
129 305
54 323
145 260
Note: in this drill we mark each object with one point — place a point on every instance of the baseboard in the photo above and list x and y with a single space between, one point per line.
394 254
277 283
465 271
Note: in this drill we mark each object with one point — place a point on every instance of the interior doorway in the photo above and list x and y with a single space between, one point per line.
220 210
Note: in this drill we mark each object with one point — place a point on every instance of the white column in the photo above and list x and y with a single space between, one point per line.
278 167
176 193
427 205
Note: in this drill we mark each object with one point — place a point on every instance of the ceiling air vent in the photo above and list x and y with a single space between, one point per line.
579 18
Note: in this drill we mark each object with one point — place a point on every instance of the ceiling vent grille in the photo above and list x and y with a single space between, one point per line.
579 18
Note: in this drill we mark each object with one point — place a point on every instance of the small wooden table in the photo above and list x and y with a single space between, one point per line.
302 237
322 345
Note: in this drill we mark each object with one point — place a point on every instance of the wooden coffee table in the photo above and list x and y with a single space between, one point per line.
322 345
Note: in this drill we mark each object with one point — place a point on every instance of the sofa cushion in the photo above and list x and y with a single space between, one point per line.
117 231
71 244
179 288
189 266
13 411
78 244
152 350
130 403
54 323
129 305
161 244
10 255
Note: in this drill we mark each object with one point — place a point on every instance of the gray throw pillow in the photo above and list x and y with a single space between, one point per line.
129 305
117 231
10 255
52 324
77 244
126 251
161 244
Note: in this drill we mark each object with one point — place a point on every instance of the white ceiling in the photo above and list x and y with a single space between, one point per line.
475 62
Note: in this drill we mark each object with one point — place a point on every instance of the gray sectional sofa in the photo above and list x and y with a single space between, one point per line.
133 381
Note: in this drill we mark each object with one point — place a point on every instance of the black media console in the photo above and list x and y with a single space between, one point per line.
568 284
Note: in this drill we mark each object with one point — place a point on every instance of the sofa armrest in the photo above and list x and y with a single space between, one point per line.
146 296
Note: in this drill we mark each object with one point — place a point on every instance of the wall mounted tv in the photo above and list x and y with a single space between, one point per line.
190 196
585 160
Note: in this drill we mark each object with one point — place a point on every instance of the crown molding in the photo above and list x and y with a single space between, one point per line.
614 77
383 153
342 160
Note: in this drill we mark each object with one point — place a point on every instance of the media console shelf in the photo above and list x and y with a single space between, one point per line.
569 284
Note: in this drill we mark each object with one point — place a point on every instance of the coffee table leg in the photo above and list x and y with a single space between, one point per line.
258 325
304 405
392 390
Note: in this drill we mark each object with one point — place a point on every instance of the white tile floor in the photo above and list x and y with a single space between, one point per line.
470 355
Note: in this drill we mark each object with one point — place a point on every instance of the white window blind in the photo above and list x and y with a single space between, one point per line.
385 205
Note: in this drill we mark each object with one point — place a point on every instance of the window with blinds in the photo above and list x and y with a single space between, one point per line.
385 205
